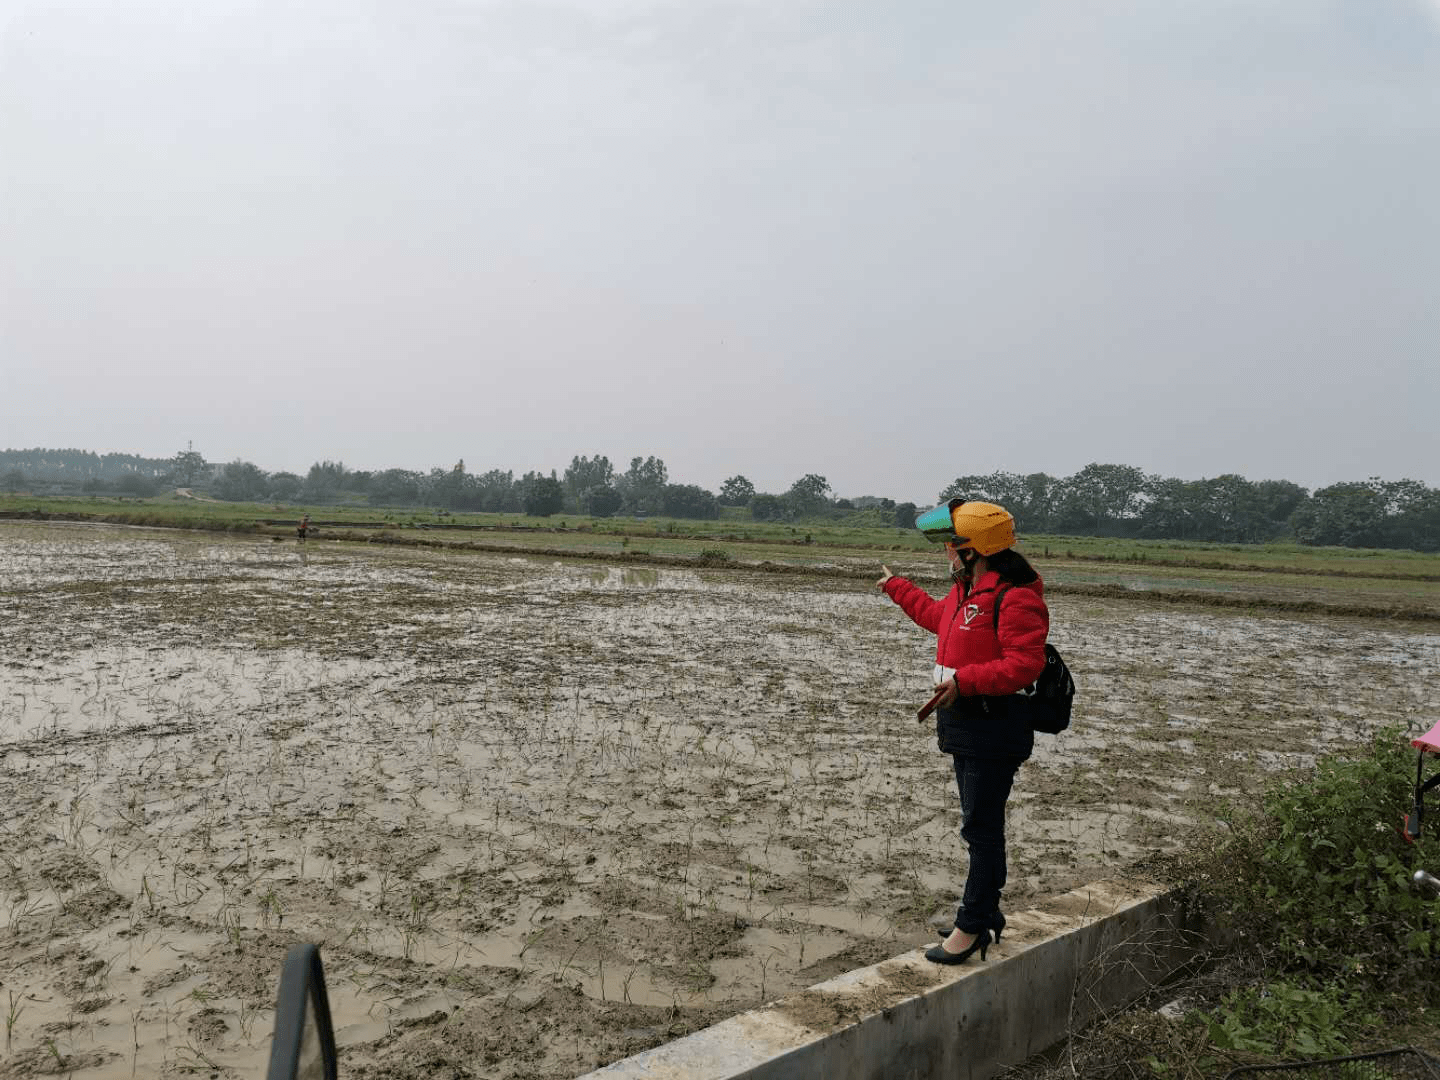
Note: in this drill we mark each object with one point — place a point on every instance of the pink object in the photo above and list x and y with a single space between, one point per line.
1429 741
929 706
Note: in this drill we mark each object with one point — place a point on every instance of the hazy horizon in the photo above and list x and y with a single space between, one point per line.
891 244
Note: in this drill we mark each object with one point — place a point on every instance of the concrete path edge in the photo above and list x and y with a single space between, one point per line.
1058 967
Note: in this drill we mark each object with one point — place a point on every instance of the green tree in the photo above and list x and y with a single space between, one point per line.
498 493
13 480
136 484
643 484
284 486
1027 497
1234 510
586 473
1414 515
395 487
324 482
1100 499
809 496
1351 514
1169 510
1227 508
188 467
602 502
1371 513
769 508
874 502
737 491
1277 500
448 488
240 481
689 501
648 472
544 495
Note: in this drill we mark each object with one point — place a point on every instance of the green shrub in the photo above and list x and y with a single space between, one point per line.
1320 879
1286 1020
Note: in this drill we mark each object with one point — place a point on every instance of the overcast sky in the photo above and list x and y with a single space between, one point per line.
888 241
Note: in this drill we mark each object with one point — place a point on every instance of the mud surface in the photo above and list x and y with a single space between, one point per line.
543 815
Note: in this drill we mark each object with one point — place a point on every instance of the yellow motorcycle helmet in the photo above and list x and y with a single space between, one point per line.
983 526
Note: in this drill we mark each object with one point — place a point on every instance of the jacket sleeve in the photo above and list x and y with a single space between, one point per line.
923 608
1024 626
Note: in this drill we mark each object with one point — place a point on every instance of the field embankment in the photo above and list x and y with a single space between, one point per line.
1362 583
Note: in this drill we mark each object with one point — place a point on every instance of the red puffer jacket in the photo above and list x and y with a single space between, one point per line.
988 665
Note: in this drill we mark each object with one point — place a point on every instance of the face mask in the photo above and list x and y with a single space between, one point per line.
967 565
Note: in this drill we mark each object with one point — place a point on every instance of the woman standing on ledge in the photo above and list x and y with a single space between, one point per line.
991 629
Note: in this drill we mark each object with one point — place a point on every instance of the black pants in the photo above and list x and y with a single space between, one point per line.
984 787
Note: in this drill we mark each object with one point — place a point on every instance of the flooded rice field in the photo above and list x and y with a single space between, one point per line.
541 815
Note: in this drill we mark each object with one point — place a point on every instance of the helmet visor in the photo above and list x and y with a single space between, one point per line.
938 525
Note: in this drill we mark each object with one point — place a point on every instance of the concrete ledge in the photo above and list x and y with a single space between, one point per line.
908 1019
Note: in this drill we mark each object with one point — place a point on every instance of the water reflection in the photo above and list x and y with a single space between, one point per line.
638 577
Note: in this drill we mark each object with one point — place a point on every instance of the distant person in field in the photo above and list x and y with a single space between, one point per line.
979 661
304 528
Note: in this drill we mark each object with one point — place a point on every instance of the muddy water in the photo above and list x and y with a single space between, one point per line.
542 815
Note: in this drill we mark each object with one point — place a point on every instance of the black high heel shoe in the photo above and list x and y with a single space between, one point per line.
941 955
996 930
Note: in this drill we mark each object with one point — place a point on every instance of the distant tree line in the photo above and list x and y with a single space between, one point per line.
1099 500
1121 500
590 486
82 470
